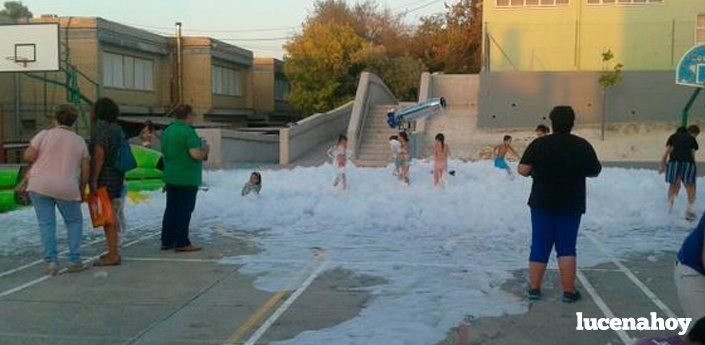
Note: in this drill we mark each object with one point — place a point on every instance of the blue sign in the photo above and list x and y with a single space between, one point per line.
691 69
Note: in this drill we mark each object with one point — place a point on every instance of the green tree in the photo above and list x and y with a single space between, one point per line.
451 42
15 11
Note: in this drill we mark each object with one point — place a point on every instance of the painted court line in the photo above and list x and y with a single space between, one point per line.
64 270
650 294
285 306
64 252
606 311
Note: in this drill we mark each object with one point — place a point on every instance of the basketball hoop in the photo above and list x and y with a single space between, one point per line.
29 47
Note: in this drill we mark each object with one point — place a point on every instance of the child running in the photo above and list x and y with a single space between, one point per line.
678 163
253 185
394 145
441 152
404 157
500 153
340 154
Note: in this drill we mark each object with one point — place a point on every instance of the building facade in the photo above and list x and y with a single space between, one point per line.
271 88
570 35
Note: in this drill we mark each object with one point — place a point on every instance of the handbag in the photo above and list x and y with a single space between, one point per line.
100 208
125 160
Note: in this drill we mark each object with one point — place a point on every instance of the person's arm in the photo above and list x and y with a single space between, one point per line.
526 163
593 167
525 170
495 151
198 154
245 189
195 150
514 152
97 168
30 154
329 153
85 173
666 154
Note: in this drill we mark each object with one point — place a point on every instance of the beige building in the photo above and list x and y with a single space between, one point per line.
137 69
270 87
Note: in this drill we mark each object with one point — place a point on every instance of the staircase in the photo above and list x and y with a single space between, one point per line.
374 144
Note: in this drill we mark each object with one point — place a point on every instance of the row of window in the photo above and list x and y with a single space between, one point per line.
226 81
517 3
127 72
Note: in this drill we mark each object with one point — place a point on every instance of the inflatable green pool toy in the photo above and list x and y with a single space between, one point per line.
144 185
146 157
9 176
144 174
7 200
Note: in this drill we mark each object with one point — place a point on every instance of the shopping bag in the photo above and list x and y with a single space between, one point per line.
100 208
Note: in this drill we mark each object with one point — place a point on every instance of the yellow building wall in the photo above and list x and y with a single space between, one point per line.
572 37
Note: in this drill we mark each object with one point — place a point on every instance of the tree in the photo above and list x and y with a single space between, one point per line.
610 77
15 11
320 66
451 42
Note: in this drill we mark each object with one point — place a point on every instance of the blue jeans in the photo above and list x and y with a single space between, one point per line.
44 206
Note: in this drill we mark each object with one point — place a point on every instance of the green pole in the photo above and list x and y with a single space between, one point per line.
691 101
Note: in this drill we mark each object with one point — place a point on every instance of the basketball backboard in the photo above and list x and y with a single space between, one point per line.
691 69
29 47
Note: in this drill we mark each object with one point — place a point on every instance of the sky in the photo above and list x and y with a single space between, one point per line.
258 25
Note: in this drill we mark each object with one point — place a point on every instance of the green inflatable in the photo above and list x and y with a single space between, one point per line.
7 200
144 174
9 176
146 157
144 185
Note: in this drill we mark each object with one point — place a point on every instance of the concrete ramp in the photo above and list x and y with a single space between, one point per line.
374 147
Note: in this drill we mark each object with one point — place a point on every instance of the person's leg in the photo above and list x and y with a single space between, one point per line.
542 238
73 218
168 221
112 240
187 203
566 239
344 181
690 286
46 217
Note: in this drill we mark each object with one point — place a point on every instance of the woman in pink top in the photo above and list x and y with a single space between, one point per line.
57 179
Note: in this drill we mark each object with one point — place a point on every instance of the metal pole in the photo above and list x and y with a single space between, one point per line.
179 66
691 101
18 121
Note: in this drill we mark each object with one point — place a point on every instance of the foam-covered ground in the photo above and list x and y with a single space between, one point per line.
443 253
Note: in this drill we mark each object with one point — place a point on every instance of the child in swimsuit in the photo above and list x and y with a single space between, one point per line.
340 154
404 157
394 145
441 152
500 153
254 185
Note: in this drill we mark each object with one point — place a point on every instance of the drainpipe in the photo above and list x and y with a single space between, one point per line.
179 66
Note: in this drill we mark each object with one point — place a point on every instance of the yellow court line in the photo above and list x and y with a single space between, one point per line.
255 318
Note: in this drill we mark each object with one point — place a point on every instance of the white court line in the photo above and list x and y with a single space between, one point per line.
285 306
63 270
214 261
606 311
650 294
64 252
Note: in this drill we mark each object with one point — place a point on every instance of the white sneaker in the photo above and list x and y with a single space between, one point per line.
52 269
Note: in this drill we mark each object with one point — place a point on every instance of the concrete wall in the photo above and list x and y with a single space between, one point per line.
647 36
246 147
371 91
312 131
524 99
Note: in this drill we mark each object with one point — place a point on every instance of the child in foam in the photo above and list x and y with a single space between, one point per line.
404 157
253 185
696 336
441 152
395 146
340 155
500 154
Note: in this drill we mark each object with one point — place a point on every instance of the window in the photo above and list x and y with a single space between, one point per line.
281 89
700 30
623 2
226 81
520 3
127 72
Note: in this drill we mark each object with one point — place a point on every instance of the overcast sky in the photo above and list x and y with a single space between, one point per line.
258 25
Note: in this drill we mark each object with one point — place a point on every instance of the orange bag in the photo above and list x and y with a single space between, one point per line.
100 208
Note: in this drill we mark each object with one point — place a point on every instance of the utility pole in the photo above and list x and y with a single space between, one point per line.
179 66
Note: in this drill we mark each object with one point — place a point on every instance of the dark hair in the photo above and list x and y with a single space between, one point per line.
259 177
341 138
693 129
404 136
65 114
681 129
106 109
562 119
440 137
697 332
543 129
149 125
507 137
394 137
182 111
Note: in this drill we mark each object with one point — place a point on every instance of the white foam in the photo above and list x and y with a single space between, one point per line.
469 237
